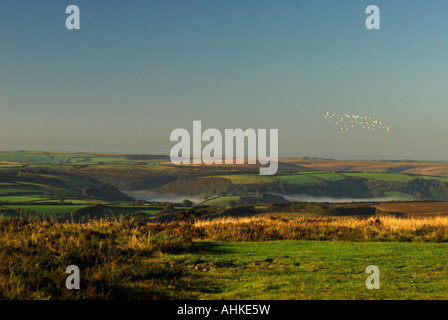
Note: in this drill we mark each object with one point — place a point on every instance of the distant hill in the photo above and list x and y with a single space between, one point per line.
39 185
80 158
405 166
296 176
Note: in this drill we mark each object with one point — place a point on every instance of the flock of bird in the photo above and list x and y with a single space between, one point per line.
347 122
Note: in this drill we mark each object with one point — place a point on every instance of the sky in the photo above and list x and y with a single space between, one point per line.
136 70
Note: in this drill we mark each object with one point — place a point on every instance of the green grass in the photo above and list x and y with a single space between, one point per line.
47 210
59 158
60 210
317 270
328 176
71 201
317 177
390 177
37 188
247 179
131 260
298 179
19 188
222 201
19 198
150 212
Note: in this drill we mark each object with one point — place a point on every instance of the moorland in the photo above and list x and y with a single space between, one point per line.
230 233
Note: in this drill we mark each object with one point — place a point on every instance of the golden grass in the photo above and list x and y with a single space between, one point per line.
376 228
127 259
391 223
113 255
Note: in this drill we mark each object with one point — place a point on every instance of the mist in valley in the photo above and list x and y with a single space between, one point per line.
147 195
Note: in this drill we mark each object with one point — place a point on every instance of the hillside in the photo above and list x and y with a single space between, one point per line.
316 184
405 166
25 185
398 180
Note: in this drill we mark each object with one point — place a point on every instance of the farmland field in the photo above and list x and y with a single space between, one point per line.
247 179
328 176
59 158
19 198
221 201
417 209
391 177
44 210
304 178
299 179
47 210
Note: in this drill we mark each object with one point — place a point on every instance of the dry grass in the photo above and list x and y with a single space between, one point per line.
376 228
127 259
114 256
391 223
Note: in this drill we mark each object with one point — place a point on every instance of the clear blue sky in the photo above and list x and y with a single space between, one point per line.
139 69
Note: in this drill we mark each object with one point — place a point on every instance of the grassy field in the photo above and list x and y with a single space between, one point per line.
221 201
47 210
247 179
407 167
43 210
312 177
227 259
27 198
329 176
305 178
40 184
391 177
316 270
60 158
299 179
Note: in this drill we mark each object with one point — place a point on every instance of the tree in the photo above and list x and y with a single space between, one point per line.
169 207
231 203
187 203
188 216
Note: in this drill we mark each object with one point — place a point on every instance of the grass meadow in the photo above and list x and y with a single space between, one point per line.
233 258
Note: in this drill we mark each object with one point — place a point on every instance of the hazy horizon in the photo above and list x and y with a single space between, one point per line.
167 155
